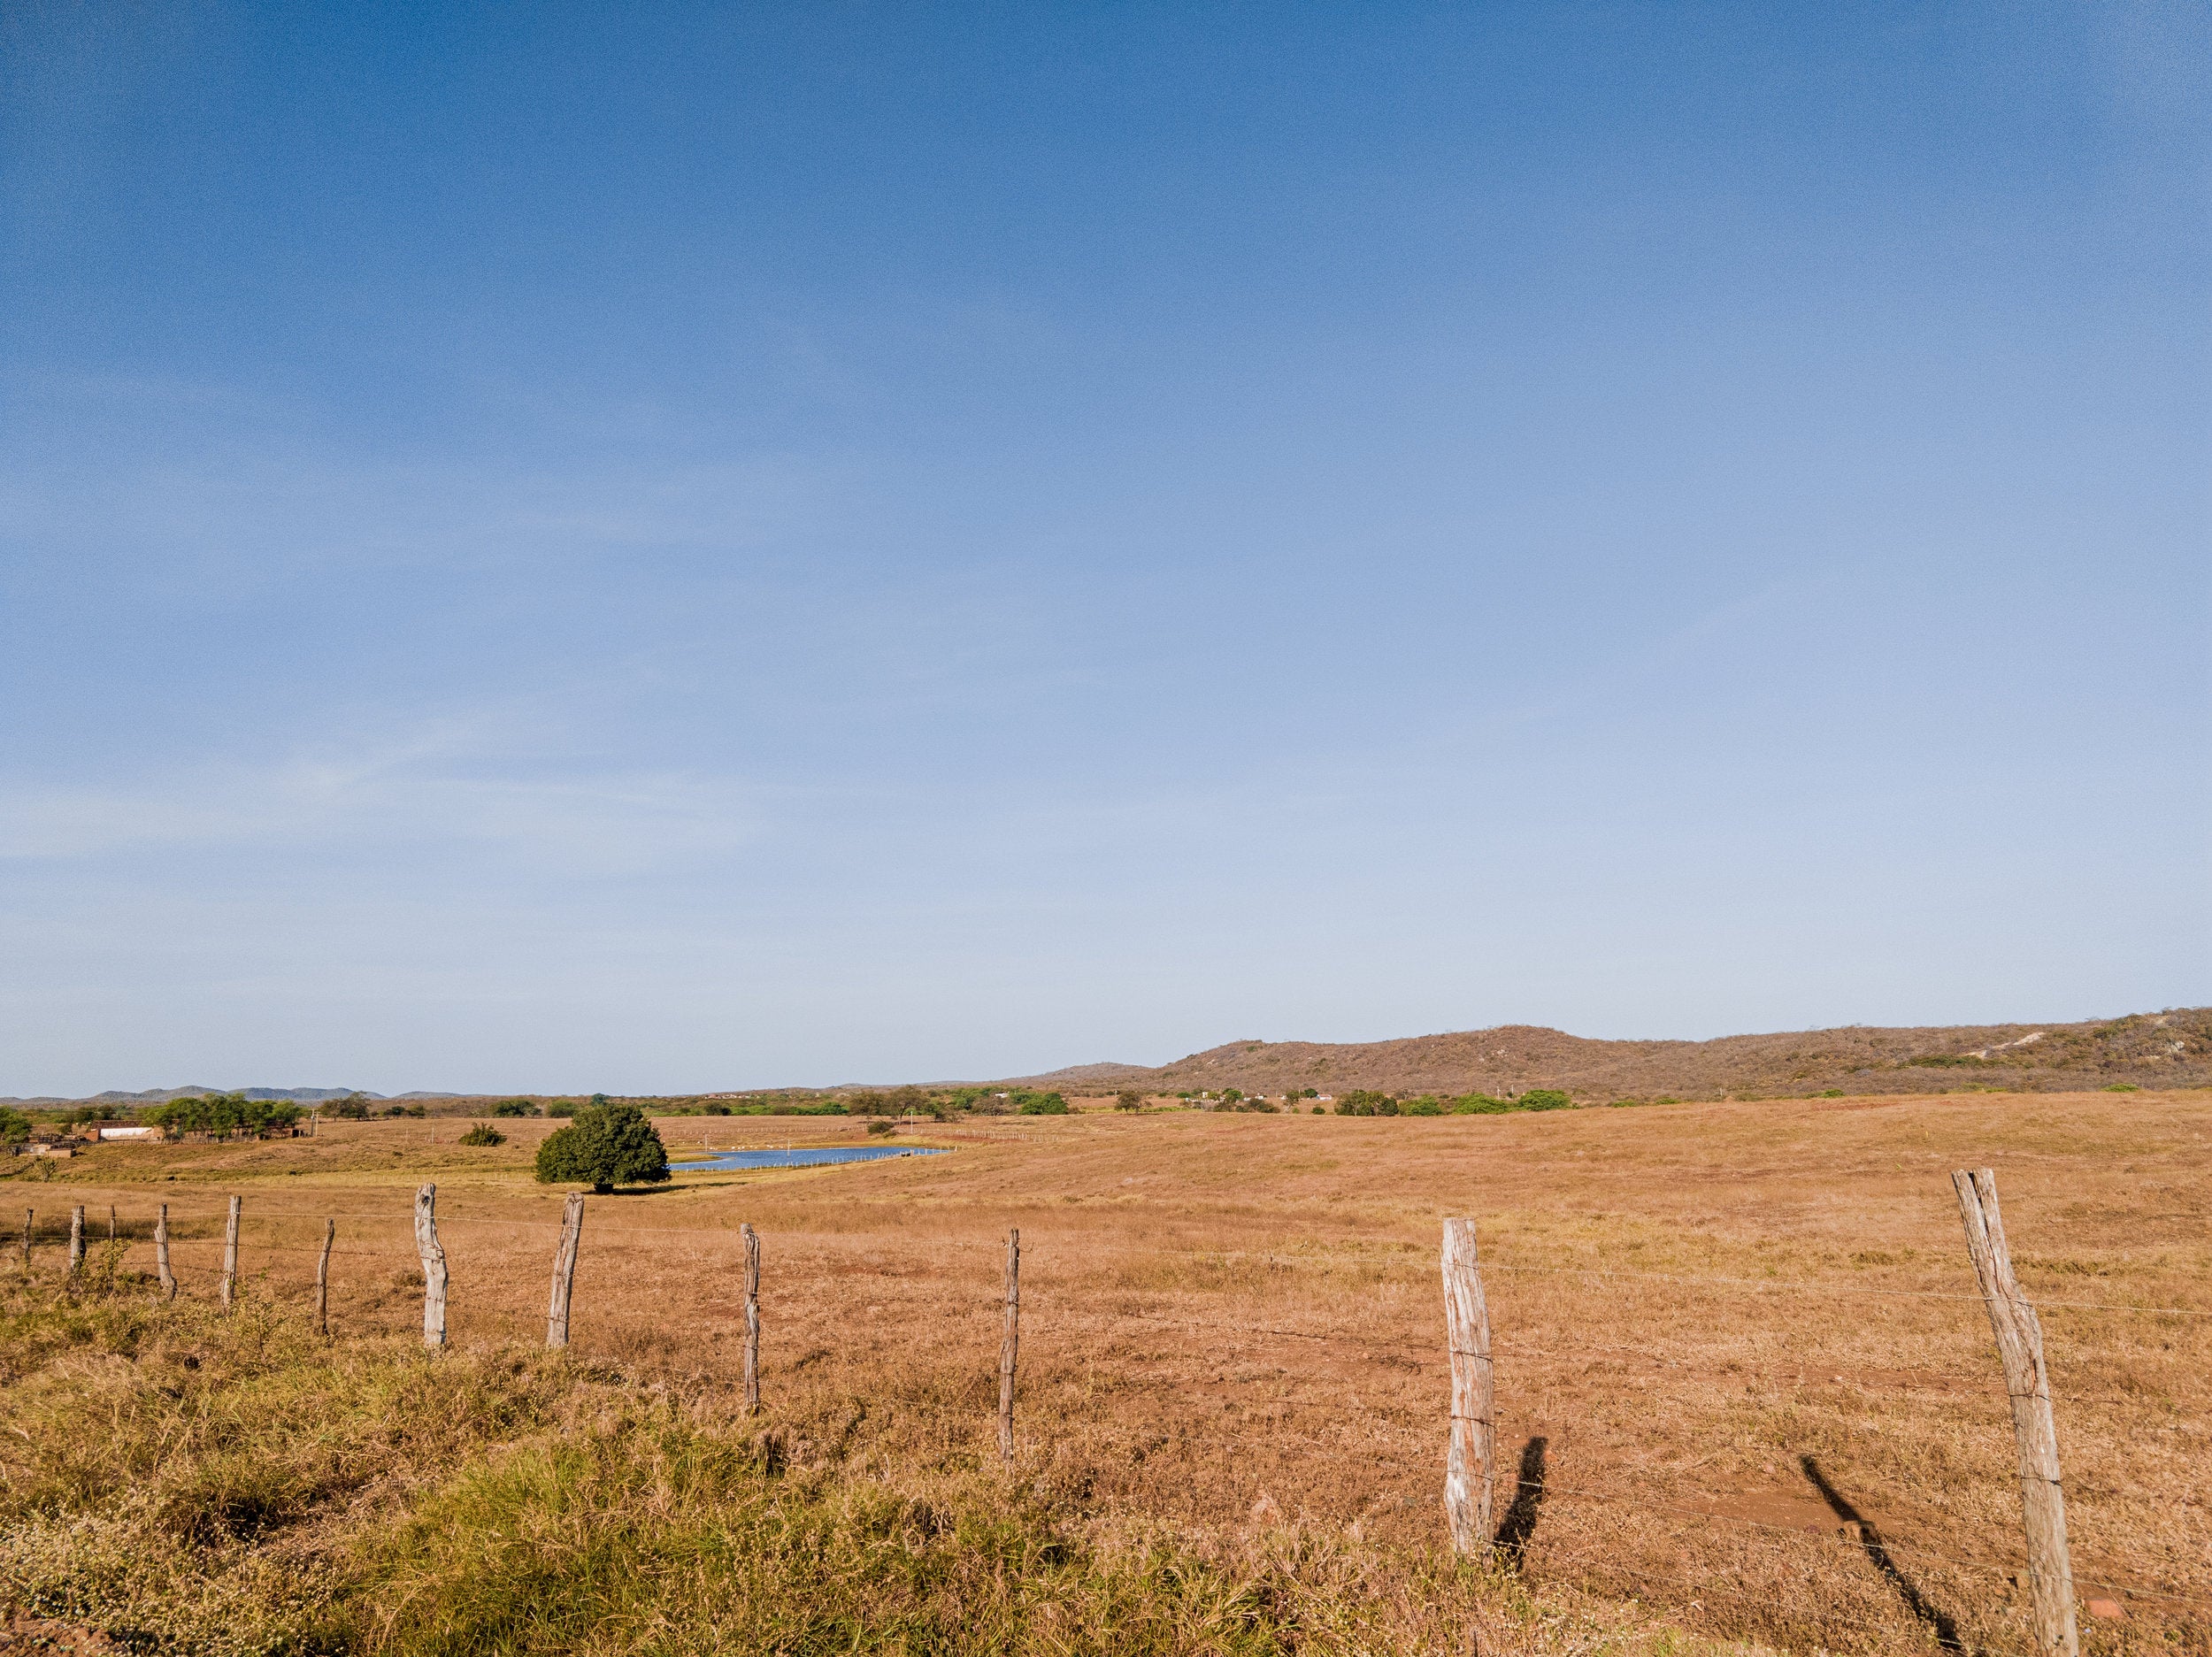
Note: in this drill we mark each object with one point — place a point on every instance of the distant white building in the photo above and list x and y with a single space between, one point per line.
117 1130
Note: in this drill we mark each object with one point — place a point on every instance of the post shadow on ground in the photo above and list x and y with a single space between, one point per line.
1519 1523
1869 1538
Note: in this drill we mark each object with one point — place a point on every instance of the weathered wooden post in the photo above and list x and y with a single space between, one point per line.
434 1273
2020 1347
230 1253
565 1269
751 1239
1009 1341
161 1255
76 1239
1467 1470
30 1223
111 1222
322 1277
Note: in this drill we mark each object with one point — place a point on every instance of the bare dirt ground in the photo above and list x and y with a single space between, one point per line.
1742 1370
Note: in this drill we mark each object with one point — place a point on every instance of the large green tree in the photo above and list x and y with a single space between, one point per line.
607 1145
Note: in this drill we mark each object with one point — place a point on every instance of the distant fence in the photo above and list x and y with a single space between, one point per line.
1469 1427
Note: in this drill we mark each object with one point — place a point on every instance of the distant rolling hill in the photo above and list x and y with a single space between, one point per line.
2166 1049
162 1095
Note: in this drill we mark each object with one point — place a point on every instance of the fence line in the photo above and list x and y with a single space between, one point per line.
1471 1436
732 1234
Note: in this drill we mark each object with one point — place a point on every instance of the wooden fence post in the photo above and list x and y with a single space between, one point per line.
751 1239
2020 1346
230 1253
30 1221
161 1255
434 1272
322 1278
1008 1342
111 1222
564 1271
76 1239
1468 1476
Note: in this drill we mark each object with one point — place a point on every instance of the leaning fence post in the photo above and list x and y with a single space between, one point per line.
1008 1342
565 1269
322 1278
230 1253
751 1239
1474 1429
2020 1346
76 1239
161 1255
434 1273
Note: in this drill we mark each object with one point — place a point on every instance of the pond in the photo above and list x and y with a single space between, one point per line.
803 1157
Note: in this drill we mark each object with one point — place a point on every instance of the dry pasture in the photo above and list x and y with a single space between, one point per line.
1742 1371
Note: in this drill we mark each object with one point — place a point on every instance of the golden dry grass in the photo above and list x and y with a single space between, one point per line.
1727 1325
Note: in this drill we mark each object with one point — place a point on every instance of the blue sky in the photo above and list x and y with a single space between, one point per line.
667 548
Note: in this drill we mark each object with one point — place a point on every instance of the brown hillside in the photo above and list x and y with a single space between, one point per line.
2168 1049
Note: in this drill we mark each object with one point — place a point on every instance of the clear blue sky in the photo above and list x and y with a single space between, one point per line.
661 548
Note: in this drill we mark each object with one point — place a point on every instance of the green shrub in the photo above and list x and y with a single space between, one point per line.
514 1107
2122 1087
607 1145
881 1127
1543 1099
1427 1105
1043 1105
1478 1105
484 1133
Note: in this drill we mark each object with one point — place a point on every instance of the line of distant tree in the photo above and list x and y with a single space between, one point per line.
222 1113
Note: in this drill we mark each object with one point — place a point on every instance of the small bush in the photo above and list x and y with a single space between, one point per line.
1478 1105
2122 1087
1044 1105
483 1133
1425 1105
514 1107
1543 1099
881 1126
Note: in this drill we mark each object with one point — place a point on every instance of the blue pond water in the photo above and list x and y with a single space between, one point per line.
805 1156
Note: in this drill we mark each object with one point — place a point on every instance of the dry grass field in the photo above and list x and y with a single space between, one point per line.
1741 1367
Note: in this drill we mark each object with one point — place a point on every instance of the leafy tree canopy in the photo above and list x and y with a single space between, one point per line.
223 1113
609 1144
